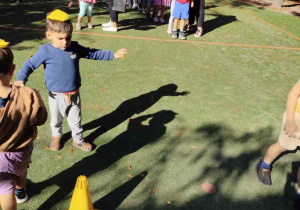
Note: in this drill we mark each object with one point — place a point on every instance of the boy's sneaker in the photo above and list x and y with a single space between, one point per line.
199 32
21 195
174 34
90 25
106 24
263 174
297 204
181 35
135 6
161 20
111 29
169 31
155 20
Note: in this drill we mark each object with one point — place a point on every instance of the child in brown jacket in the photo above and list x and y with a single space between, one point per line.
21 111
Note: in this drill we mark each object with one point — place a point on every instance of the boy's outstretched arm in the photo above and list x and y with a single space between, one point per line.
290 127
120 53
29 66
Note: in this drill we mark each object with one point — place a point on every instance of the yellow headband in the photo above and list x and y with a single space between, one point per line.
3 44
58 15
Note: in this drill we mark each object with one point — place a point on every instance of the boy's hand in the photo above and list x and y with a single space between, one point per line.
19 83
120 53
290 128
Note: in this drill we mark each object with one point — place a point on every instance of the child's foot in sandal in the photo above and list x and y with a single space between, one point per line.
55 143
84 146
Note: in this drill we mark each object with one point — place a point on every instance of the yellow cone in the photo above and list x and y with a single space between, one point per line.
81 199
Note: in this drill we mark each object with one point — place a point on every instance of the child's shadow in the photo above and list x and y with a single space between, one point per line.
135 137
137 24
219 21
126 110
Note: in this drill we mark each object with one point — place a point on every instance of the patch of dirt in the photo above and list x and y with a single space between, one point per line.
289 6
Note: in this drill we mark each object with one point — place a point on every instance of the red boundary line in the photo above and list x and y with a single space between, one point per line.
165 40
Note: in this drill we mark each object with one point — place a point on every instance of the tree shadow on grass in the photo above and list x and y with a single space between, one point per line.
126 110
226 166
230 167
135 137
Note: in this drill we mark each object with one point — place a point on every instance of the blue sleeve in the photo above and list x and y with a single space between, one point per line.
37 59
94 54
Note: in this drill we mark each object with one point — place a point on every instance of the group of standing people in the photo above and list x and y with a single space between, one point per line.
180 11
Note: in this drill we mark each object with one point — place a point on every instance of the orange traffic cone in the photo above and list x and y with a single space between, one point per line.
81 199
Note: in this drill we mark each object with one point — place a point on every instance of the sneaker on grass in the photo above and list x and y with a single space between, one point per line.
263 174
112 29
181 35
21 195
174 34
106 24
199 32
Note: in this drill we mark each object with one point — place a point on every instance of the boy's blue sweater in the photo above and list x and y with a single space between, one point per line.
61 66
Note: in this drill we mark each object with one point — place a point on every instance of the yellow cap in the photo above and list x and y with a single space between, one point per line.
3 44
58 15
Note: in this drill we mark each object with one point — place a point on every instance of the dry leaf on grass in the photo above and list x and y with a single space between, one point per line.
130 175
168 202
152 191
46 147
70 151
180 133
194 147
129 168
58 156
101 89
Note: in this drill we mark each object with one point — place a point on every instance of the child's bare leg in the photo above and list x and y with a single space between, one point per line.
157 8
21 182
175 24
89 19
273 151
264 167
162 11
298 180
8 201
114 24
79 20
182 21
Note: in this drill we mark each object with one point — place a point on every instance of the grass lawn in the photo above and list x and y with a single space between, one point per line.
155 143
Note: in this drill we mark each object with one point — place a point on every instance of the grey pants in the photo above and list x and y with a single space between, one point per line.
60 107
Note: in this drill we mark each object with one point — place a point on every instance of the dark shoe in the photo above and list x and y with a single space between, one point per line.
263 174
174 34
21 195
181 35
297 204
188 27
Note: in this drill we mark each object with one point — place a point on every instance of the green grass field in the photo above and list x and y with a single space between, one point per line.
238 76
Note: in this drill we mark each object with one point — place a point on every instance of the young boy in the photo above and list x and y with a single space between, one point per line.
21 111
181 10
61 63
289 137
